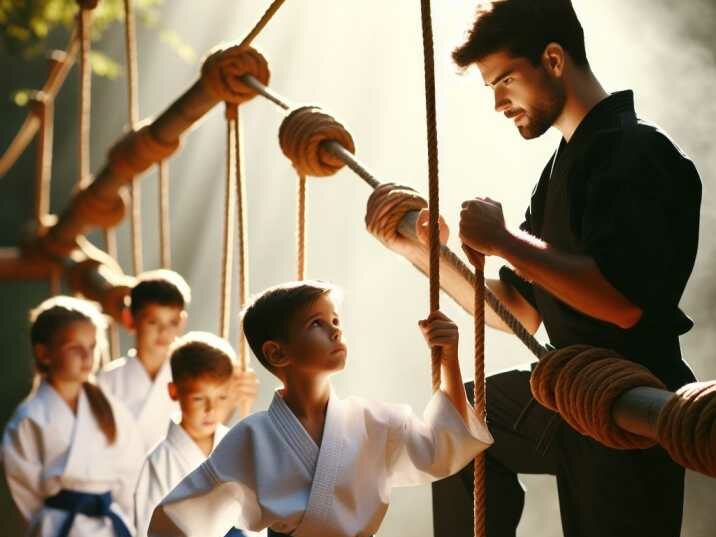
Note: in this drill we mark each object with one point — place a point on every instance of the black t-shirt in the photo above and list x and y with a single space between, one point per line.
623 194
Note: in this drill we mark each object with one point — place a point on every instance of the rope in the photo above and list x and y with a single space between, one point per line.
43 108
263 21
433 188
228 248
84 18
60 64
686 427
243 242
165 253
133 109
224 72
301 137
582 383
479 478
317 144
301 246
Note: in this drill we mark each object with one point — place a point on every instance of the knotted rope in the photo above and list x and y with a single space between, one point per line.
686 427
133 109
582 383
224 69
301 136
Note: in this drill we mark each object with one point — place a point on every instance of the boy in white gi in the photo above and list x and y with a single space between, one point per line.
202 367
157 315
315 465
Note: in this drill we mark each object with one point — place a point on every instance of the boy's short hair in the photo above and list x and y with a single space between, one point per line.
523 28
201 355
163 287
268 316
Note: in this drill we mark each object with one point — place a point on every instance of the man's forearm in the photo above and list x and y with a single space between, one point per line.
574 279
461 290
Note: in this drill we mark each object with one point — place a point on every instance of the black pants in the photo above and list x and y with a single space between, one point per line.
602 492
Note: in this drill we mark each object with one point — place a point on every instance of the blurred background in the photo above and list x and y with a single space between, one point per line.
361 62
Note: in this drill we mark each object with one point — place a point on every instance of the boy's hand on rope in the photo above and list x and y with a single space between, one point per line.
482 226
422 231
439 331
244 388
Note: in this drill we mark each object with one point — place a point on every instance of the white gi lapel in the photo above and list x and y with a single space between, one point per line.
157 404
294 434
316 519
184 447
87 439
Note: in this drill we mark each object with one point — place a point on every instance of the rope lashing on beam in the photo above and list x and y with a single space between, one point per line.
686 427
582 383
302 136
224 69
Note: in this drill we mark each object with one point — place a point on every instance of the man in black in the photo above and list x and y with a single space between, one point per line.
603 257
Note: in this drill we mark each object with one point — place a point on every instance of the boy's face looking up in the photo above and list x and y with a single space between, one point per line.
315 340
156 327
204 403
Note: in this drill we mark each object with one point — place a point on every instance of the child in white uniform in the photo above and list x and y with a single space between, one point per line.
315 464
71 453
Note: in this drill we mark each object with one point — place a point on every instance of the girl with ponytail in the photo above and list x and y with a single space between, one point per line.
71 453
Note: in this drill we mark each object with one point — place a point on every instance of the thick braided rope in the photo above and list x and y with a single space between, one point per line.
229 220
301 230
224 68
433 184
243 242
303 136
582 383
686 427
133 109
165 252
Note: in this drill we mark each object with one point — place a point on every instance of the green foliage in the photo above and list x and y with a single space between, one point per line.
26 24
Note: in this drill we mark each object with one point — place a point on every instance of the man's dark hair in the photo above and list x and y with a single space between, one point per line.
162 287
268 317
200 355
523 28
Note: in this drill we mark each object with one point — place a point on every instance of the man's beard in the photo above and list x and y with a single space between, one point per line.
544 113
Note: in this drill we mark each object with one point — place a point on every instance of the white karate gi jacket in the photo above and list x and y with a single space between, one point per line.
268 472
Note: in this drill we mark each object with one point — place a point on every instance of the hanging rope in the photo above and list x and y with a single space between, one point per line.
243 242
165 253
84 18
433 190
130 42
229 221
301 246
43 108
479 478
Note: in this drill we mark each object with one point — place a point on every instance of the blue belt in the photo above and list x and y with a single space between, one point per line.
235 532
93 505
